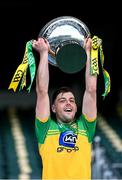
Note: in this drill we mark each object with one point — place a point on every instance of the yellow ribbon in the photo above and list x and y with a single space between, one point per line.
94 55
21 70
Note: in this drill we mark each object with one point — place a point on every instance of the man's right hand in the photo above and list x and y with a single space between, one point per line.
41 45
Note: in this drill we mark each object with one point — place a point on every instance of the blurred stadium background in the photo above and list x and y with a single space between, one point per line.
22 21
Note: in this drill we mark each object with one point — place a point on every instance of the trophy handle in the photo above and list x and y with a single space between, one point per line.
52 52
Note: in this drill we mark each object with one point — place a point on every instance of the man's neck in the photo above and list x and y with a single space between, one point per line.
65 123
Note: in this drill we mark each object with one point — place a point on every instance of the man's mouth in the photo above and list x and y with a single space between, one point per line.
68 109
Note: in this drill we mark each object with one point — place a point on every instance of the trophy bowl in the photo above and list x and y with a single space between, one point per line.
66 35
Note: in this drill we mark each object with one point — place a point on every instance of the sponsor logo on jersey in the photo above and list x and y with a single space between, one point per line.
68 139
69 150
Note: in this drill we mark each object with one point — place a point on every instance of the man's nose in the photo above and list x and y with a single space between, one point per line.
68 102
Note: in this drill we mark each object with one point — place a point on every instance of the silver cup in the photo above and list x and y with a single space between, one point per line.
66 35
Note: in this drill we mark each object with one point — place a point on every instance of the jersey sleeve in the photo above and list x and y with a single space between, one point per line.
41 129
90 126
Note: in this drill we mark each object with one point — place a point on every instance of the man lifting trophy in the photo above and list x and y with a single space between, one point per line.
64 140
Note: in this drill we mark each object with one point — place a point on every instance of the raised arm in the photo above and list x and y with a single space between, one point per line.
42 79
89 107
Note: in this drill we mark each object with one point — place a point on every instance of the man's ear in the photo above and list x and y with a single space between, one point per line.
53 108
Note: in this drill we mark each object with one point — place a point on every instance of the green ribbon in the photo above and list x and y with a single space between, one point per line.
32 64
105 74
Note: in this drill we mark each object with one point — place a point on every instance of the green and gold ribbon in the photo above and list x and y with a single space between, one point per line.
19 77
94 67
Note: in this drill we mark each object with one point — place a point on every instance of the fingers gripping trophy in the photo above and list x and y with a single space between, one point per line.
66 36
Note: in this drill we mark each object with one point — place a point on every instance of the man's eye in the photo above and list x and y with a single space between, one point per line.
72 101
62 100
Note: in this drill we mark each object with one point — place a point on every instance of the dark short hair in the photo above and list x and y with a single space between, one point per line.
61 90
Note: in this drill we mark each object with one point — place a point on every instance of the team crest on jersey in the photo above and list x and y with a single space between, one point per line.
68 139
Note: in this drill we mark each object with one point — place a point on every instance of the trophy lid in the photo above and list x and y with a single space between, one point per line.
66 33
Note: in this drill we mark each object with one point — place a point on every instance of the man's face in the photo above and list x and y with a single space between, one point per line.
65 107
